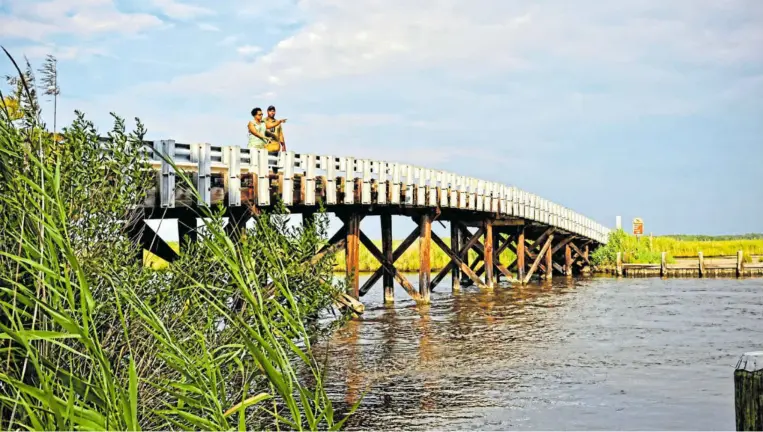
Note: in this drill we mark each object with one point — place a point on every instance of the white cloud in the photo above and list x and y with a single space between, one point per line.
208 27
38 20
229 40
348 38
520 68
179 10
248 50
60 52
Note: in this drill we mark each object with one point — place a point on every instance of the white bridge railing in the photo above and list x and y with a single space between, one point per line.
217 169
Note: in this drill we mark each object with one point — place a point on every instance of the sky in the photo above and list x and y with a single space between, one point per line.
648 108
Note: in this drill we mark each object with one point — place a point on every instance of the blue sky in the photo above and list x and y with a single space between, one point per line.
636 108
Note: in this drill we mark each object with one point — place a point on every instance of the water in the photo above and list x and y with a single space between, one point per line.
599 353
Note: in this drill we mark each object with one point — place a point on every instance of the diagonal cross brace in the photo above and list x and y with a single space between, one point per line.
412 237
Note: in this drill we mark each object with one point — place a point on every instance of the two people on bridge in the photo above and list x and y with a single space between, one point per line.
266 133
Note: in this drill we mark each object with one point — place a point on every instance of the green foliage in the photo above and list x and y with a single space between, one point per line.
633 250
644 251
90 339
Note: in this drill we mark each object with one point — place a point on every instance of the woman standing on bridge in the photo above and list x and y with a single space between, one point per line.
259 136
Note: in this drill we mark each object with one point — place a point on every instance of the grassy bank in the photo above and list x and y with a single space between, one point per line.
644 251
633 249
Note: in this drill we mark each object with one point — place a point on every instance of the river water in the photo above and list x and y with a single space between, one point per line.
597 353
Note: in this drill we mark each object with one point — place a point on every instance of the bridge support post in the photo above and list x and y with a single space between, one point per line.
489 254
388 277
521 254
455 244
568 260
549 274
352 255
425 246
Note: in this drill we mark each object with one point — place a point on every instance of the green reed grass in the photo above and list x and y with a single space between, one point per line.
635 250
91 339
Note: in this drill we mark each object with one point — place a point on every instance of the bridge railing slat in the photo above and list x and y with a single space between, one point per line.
234 175
365 195
167 182
379 182
381 189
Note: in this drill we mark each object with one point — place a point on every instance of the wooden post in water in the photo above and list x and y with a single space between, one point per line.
568 260
748 392
388 280
549 264
353 253
488 261
740 263
701 260
663 264
425 243
521 254
455 245
619 264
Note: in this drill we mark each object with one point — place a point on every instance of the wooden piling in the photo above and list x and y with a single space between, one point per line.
455 245
663 264
425 243
521 254
568 260
585 253
740 263
619 263
701 262
549 264
488 260
748 392
353 254
388 280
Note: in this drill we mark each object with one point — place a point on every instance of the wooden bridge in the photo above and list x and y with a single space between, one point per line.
547 238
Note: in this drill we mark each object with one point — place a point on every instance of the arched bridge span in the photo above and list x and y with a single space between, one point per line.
546 237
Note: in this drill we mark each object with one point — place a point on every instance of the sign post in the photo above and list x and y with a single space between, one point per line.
638 227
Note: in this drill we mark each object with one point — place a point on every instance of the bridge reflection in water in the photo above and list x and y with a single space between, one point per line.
428 365
579 353
485 217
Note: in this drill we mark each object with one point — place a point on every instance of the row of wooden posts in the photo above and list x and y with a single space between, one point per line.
700 269
533 245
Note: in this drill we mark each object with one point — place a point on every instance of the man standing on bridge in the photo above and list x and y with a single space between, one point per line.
274 126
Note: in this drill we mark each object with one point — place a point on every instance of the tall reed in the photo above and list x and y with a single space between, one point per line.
91 339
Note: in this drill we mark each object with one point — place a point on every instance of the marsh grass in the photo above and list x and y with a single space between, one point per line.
637 250
408 262
91 339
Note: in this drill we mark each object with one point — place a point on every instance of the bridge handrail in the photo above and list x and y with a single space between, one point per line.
456 191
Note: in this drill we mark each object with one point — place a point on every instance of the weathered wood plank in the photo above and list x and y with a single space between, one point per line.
389 266
353 253
457 259
401 248
388 283
535 265
425 244
455 244
489 253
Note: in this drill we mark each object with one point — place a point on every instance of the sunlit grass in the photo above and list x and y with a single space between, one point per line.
408 262
642 250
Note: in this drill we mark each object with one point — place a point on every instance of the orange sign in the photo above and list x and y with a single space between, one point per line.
638 226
